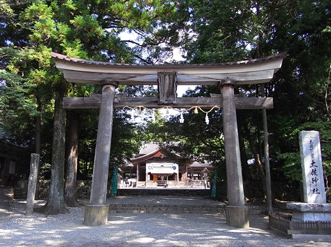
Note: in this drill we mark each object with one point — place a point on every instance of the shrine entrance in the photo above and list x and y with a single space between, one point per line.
167 77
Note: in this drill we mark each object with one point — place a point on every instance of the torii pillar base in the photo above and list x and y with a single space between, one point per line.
237 216
95 215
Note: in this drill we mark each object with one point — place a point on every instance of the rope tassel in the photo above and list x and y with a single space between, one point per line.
207 119
181 120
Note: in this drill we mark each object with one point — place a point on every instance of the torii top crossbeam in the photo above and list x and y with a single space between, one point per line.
241 72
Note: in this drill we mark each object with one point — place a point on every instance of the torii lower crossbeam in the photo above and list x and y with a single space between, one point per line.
94 102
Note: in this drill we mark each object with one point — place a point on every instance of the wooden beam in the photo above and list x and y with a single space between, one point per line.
121 101
81 102
183 78
254 71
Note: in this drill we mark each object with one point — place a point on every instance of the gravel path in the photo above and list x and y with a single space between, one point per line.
138 229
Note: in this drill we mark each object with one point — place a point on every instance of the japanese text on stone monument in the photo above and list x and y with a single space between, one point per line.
312 168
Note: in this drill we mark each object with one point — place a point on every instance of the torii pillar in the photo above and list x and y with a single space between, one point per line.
96 212
236 212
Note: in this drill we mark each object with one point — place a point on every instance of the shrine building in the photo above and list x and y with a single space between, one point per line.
155 166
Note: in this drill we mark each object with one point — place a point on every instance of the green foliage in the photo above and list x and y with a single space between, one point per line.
5 8
14 98
126 142
292 166
15 102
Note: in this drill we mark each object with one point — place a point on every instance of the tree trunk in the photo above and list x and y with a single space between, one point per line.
259 165
38 142
266 155
246 172
38 127
72 162
55 203
258 161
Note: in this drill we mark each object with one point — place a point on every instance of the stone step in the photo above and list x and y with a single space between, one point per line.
140 208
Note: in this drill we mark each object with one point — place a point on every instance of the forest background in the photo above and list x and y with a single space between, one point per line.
31 88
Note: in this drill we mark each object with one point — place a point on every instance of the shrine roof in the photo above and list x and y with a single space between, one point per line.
148 150
201 164
148 147
250 71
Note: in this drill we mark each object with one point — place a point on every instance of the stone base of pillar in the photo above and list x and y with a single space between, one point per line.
237 216
96 215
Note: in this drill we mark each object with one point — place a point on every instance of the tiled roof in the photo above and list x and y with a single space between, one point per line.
149 147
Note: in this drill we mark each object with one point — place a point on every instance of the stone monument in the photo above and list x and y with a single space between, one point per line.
314 208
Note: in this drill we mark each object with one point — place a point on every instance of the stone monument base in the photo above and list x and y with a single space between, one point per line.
96 215
299 229
310 211
312 237
237 216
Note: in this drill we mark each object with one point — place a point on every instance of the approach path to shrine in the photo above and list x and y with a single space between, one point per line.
139 229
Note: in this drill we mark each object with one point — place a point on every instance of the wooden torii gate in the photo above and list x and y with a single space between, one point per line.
167 76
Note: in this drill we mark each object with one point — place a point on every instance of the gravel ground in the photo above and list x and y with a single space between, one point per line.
138 229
